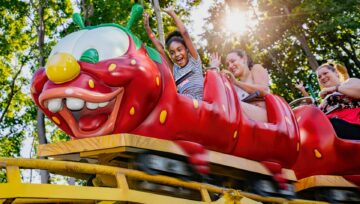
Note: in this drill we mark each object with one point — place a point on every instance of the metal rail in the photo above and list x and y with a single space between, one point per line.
12 166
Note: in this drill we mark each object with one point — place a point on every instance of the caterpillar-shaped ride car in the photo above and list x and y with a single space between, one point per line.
103 80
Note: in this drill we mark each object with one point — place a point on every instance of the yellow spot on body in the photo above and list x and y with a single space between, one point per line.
196 103
317 154
112 67
132 111
157 81
91 83
32 90
133 62
223 106
287 120
235 134
56 120
298 146
163 115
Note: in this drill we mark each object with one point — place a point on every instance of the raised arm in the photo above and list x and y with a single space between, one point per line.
184 33
159 47
301 88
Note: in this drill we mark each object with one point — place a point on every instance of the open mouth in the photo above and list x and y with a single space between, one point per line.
86 112
179 60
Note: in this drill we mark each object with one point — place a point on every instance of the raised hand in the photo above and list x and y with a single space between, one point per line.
300 86
146 19
169 10
215 60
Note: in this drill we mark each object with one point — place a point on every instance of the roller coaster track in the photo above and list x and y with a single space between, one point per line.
14 191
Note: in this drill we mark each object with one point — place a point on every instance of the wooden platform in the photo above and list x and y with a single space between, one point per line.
322 181
91 148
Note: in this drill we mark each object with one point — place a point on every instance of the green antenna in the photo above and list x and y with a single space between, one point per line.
78 20
135 15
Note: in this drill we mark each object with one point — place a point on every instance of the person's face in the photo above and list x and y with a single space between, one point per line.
326 77
178 53
236 64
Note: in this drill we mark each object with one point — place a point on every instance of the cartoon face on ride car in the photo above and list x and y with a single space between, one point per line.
95 80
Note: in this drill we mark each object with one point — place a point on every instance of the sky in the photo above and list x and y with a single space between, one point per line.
198 15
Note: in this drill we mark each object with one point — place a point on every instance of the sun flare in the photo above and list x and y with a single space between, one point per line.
237 21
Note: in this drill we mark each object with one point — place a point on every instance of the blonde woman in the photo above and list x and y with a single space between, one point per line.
341 101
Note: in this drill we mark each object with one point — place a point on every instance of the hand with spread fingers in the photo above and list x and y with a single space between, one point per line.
169 10
300 86
215 60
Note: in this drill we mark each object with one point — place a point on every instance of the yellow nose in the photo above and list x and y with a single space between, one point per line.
61 68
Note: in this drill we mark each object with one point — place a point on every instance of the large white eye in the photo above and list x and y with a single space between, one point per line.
109 42
67 43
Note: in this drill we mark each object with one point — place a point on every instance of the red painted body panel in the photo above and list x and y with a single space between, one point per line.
338 156
150 106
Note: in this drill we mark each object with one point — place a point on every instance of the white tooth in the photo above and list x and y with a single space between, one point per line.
92 106
54 105
74 103
103 104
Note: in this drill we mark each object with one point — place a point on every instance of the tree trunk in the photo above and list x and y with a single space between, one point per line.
300 36
159 21
310 57
271 56
40 115
88 11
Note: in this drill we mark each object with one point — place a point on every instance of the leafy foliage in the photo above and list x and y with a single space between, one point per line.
19 57
288 34
15 106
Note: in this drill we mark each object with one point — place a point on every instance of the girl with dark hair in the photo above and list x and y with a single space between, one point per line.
184 60
187 67
341 102
247 78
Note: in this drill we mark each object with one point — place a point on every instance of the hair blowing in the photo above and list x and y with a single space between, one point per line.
241 53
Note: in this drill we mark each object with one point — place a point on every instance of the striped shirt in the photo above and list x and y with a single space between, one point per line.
189 79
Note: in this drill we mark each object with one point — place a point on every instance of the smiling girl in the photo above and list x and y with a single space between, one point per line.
187 66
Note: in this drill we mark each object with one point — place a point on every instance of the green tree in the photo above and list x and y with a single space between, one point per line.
16 111
25 26
291 38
